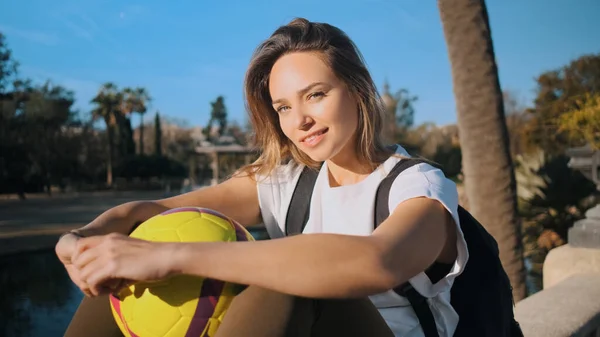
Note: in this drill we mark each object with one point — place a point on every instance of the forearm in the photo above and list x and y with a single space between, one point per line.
122 218
313 265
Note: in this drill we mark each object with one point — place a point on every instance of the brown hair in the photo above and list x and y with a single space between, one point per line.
346 62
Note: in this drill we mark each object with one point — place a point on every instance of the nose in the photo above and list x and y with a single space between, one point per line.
302 121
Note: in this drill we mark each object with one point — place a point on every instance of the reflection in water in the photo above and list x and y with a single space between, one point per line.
38 298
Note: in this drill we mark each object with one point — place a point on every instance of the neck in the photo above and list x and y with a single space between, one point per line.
347 170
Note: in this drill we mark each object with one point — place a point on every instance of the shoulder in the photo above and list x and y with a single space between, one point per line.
286 173
421 180
275 191
424 180
277 186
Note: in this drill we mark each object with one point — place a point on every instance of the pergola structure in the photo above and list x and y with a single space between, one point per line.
213 153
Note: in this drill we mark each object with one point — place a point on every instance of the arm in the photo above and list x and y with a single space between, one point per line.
416 234
237 197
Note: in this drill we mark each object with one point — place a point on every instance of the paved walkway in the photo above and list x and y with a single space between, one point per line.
36 223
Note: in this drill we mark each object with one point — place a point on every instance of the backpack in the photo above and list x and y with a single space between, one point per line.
481 294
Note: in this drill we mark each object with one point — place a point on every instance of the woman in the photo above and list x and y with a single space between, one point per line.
311 101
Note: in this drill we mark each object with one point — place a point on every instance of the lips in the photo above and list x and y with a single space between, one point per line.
312 135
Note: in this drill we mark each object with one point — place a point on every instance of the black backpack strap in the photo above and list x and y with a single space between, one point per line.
421 308
299 209
417 301
273 229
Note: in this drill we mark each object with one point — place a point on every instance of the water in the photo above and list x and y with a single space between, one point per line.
37 297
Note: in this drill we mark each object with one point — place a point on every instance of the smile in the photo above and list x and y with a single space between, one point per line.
314 138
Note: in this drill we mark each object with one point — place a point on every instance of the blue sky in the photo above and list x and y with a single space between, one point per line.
186 53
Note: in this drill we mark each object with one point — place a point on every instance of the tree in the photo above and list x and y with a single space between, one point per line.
487 165
50 123
516 122
124 142
405 110
582 124
551 198
399 113
561 92
157 135
218 114
136 101
35 138
8 66
236 131
108 102
143 99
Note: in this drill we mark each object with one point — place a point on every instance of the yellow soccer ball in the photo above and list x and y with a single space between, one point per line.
182 305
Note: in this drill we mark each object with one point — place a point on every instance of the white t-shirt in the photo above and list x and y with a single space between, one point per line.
349 210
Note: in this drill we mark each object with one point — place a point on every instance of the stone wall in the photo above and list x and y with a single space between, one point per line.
569 304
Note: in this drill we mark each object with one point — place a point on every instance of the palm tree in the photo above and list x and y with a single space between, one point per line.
137 101
488 169
108 103
143 100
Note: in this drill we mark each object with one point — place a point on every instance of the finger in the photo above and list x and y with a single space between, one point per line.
97 274
86 291
86 243
81 259
100 282
83 287
76 278
122 284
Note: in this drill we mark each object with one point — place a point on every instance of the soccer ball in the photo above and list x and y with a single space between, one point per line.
182 305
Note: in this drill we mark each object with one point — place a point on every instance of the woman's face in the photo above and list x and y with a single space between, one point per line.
316 110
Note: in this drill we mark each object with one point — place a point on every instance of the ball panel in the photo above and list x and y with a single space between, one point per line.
249 236
230 290
209 296
148 307
127 305
203 230
115 306
160 235
183 209
212 212
180 328
179 294
218 220
211 329
169 221
241 233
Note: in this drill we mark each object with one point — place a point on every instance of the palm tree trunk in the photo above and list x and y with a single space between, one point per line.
489 176
142 134
109 161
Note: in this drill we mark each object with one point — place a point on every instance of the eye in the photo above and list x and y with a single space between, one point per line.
317 94
282 108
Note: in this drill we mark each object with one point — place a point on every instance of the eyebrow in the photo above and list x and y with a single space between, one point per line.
300 92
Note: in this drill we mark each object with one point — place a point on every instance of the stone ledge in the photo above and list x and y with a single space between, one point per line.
565 261
570 308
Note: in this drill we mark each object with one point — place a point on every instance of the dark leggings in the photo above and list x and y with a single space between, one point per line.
258 312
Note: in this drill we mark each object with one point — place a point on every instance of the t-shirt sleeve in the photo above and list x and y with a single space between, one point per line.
424 180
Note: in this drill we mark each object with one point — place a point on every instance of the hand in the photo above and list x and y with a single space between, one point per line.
65 248
109 261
